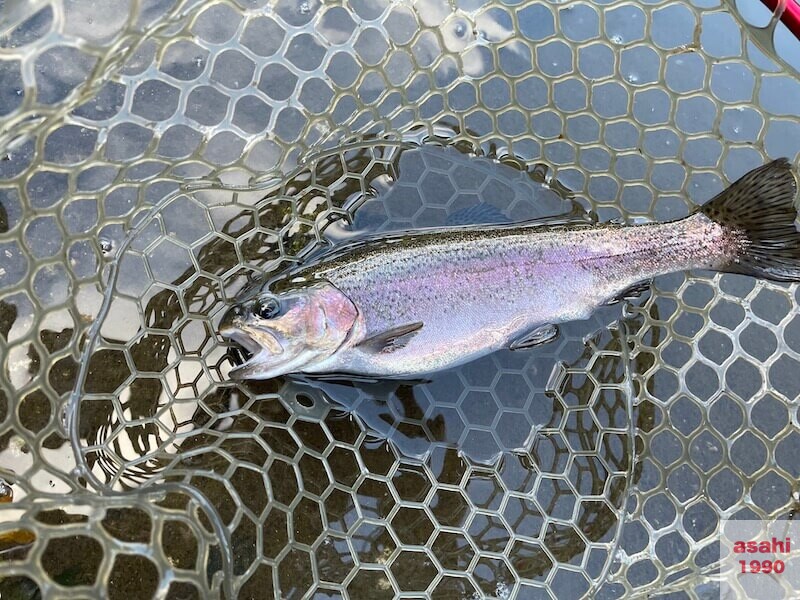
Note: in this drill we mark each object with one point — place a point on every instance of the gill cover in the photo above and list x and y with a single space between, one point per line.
291 331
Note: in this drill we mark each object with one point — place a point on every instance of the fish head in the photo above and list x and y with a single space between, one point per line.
289 331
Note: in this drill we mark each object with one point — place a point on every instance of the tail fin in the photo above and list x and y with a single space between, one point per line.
760 207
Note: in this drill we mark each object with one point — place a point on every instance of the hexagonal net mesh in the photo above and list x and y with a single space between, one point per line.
158 156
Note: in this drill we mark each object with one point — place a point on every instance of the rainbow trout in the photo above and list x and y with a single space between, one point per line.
405 305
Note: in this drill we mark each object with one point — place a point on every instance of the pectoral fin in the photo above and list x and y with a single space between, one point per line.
540 335
391 340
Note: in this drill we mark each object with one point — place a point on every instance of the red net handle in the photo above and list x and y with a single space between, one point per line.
790 16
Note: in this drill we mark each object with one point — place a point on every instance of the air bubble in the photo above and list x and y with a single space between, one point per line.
63 420
617 39
502 590
305 8
106 246
621 557
461 29
633 78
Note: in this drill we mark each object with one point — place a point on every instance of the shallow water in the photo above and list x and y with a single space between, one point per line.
600 464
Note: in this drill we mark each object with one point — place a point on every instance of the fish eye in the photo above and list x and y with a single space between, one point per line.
266 308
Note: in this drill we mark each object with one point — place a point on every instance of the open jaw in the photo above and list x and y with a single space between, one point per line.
250 351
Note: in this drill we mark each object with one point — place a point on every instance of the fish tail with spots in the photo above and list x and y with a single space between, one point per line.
758 212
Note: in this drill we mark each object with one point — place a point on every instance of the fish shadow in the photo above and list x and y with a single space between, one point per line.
486 409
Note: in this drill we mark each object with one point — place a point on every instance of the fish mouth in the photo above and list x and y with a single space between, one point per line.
246 352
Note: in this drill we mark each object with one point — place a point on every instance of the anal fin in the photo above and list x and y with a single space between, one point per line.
538 336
